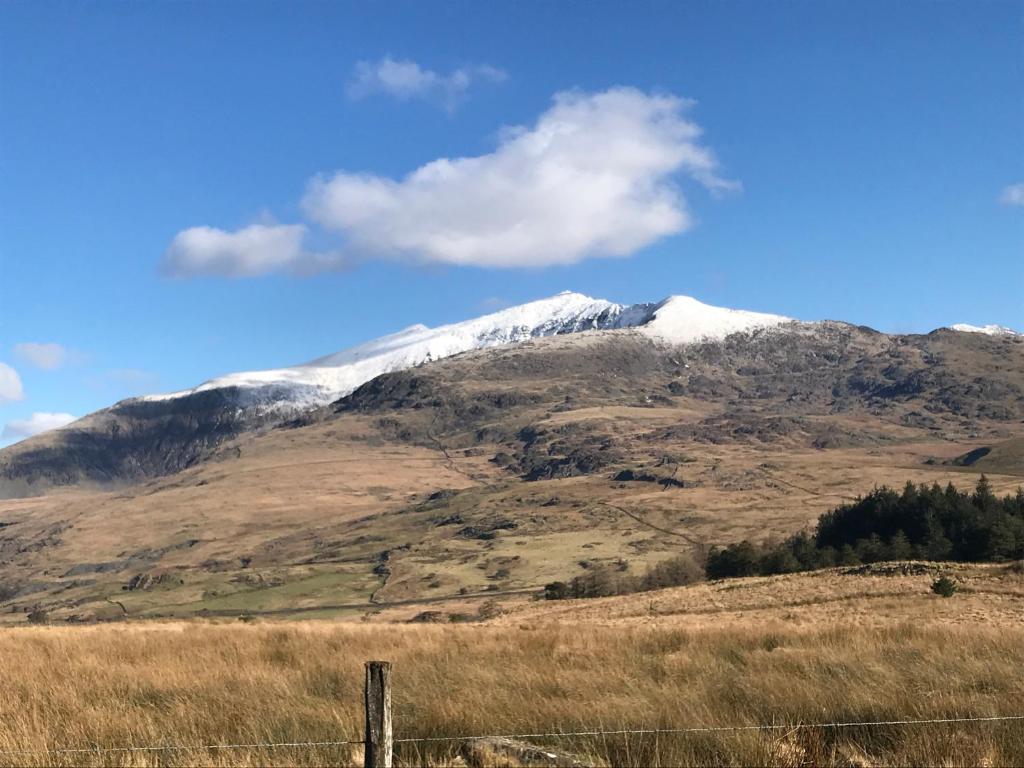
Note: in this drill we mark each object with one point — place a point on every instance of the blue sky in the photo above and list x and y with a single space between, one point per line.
856 161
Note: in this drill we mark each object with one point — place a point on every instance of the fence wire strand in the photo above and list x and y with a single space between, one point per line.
539 735
714 729
176 747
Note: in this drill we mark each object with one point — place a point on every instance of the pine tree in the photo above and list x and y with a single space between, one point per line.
871 549
848 556
983 497
900 547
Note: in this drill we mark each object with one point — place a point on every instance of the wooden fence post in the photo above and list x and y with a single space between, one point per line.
378 752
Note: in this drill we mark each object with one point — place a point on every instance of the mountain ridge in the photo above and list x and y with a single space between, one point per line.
676 319
156 435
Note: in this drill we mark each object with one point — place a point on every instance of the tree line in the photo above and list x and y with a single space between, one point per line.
922 523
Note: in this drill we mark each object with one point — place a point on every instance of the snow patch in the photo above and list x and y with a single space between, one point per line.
684 320
989 330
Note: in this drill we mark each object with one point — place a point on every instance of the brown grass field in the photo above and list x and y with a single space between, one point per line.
830 647
299 522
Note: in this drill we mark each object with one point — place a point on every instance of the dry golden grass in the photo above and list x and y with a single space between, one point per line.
193 684
870 596
310 510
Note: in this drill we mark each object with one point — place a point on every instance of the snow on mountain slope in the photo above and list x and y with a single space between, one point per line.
678 319
328 378
683 320
989 330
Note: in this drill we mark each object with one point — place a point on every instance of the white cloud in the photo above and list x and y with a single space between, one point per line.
406 79
1013 195
254 250
48 356
595 176
36 423
592 177
10 384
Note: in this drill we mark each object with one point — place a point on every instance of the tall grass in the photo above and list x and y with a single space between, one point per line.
195 684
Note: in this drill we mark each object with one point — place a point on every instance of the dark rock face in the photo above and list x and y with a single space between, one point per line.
419 390
128 442
567 451
639 476
972 457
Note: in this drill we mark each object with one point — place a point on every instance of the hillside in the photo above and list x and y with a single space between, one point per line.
823 362
160 434
495 471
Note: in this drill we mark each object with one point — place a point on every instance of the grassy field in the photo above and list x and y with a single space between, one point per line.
284 528
189 684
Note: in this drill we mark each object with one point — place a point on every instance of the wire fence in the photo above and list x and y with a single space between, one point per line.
536 735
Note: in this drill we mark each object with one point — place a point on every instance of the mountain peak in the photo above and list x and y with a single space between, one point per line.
327 378
684 319
676 320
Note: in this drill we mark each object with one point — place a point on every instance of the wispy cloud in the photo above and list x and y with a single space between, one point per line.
255 250
1013 195
36 423
595 176
48 356
10 385
405 79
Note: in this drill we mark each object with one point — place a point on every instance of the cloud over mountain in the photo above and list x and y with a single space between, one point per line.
590 178
595 176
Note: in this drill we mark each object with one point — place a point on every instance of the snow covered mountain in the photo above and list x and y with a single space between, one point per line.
281 393
156 435
676 320
684 320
